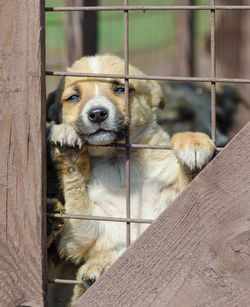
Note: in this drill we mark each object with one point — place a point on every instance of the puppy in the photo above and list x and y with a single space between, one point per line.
91 111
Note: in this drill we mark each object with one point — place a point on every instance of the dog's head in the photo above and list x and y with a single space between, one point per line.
97 106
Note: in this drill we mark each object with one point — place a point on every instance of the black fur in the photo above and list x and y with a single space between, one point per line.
188 108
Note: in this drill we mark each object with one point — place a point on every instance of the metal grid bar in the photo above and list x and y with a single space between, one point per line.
126 77
148 77
213 73
100 218
137 146
147 8
63 281
126 80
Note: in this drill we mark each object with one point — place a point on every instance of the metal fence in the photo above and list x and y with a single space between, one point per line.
212 79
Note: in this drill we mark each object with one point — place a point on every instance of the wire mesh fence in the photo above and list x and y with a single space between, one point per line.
212 79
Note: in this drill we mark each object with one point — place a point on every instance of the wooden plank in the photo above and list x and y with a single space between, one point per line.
185 40
22 145
74 32
81 31
197 253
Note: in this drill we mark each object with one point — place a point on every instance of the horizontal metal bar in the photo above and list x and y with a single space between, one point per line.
100 218
137 77
147 8
139 146
143 146
63 281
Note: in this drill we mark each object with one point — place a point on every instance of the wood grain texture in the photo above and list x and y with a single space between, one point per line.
197 253
81 31
185 40
74 32
22 136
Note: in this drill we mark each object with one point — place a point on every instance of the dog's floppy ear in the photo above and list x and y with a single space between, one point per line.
51 107
53 103
158 98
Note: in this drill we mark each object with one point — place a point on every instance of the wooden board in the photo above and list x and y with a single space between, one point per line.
197 253
22 136
81 31
185 40
74 32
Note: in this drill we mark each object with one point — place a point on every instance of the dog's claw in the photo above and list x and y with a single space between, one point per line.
64 134
79 143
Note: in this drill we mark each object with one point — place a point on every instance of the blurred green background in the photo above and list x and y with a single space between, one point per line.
153 39
150 30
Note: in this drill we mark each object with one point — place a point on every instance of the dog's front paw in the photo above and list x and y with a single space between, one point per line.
193 149
64 134
88 273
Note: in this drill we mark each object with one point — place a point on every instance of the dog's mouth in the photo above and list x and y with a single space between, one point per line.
100 131
103 136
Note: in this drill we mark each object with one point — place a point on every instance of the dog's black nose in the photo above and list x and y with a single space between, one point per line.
98 115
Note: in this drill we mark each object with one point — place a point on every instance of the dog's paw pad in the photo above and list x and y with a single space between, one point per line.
193 149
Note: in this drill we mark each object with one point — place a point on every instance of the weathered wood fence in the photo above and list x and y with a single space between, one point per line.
22 154
197 252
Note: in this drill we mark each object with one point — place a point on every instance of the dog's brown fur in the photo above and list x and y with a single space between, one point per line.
93 179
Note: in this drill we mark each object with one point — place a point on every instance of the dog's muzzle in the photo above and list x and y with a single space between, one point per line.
100 122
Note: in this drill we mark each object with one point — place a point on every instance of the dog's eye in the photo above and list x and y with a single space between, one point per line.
73 98
119 90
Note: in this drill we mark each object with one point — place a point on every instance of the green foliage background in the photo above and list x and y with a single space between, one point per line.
147 30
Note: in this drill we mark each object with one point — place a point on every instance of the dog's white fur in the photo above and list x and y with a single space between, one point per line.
157 176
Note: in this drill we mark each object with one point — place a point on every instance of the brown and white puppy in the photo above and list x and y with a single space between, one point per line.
92 111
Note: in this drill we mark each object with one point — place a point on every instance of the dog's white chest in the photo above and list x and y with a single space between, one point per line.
107 189
107 192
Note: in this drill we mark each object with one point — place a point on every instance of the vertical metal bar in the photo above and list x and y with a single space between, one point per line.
126 71
44 151
213 73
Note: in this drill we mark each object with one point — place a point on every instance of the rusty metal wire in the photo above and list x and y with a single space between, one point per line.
148 77
139 146
147 8
100 218
63 281
213 73
126 80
